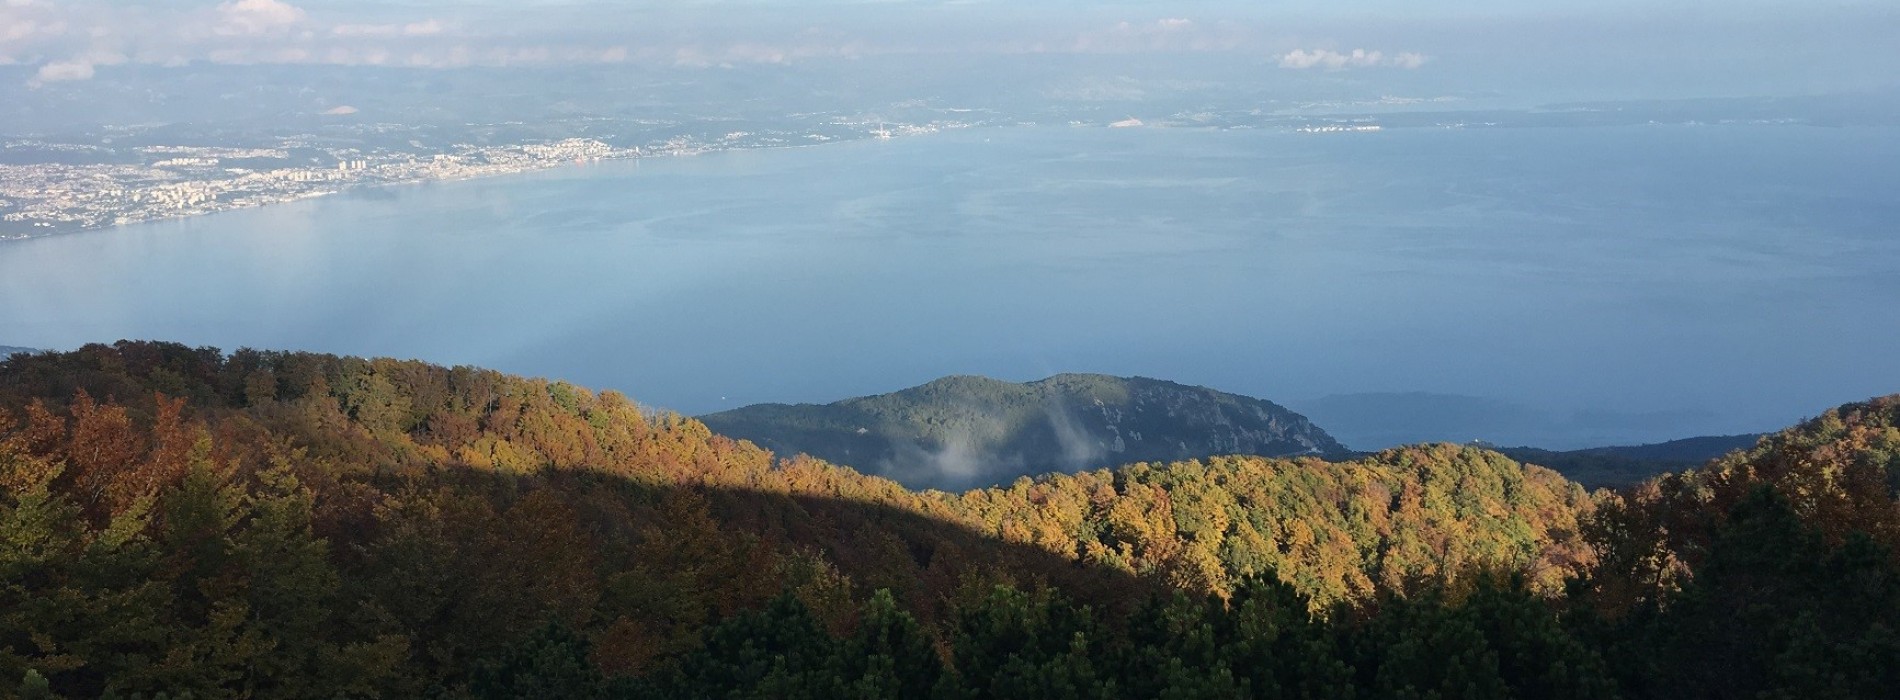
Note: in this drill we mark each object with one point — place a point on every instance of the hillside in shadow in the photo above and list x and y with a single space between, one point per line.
180 558
264 520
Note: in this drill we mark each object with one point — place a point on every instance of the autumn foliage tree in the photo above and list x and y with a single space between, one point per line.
262 524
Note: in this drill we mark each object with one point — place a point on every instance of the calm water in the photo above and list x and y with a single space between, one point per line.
1741 277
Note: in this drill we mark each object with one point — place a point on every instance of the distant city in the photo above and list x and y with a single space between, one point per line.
176 181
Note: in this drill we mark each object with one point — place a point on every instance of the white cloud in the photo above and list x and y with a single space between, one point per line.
332 32
424 28
58 71
705 55
14 29
249 17
365 30
1167 34
1328 59
340 110
81 67
29 30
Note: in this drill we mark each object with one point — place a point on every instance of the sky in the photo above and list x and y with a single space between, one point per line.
1693 47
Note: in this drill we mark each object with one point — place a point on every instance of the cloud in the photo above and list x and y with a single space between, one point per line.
29 29
59 71
339 110
1080 450
1167 34
746 52
961 459
365 30
81 67
355 33
251 17
424 28
1328 59
21 28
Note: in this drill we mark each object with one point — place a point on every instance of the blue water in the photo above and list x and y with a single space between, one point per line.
1740 277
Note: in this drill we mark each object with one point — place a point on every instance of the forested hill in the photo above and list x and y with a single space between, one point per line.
263 524
964 431
263 520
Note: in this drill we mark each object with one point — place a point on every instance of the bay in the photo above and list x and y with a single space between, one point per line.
1719 278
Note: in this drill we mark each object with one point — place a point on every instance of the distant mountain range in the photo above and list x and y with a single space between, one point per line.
1623 465
1378 420
6 350
965 431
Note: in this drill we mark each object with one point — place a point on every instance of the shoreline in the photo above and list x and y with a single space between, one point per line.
634 155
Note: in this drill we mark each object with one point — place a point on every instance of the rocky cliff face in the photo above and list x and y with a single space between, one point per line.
968 431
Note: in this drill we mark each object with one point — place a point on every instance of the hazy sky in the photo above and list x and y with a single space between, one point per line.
1601 48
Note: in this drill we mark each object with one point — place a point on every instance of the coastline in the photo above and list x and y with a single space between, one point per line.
605 154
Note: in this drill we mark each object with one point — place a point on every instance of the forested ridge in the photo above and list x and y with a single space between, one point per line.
263 524
965 431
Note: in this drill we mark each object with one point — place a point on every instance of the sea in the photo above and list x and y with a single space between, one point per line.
1699 278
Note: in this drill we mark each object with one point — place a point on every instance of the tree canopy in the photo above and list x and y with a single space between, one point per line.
180 521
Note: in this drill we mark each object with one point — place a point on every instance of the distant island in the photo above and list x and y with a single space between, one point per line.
962 431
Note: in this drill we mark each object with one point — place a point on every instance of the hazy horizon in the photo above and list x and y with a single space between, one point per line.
1615 50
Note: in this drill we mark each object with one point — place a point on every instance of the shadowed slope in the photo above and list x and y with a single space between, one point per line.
392 521
1838 473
